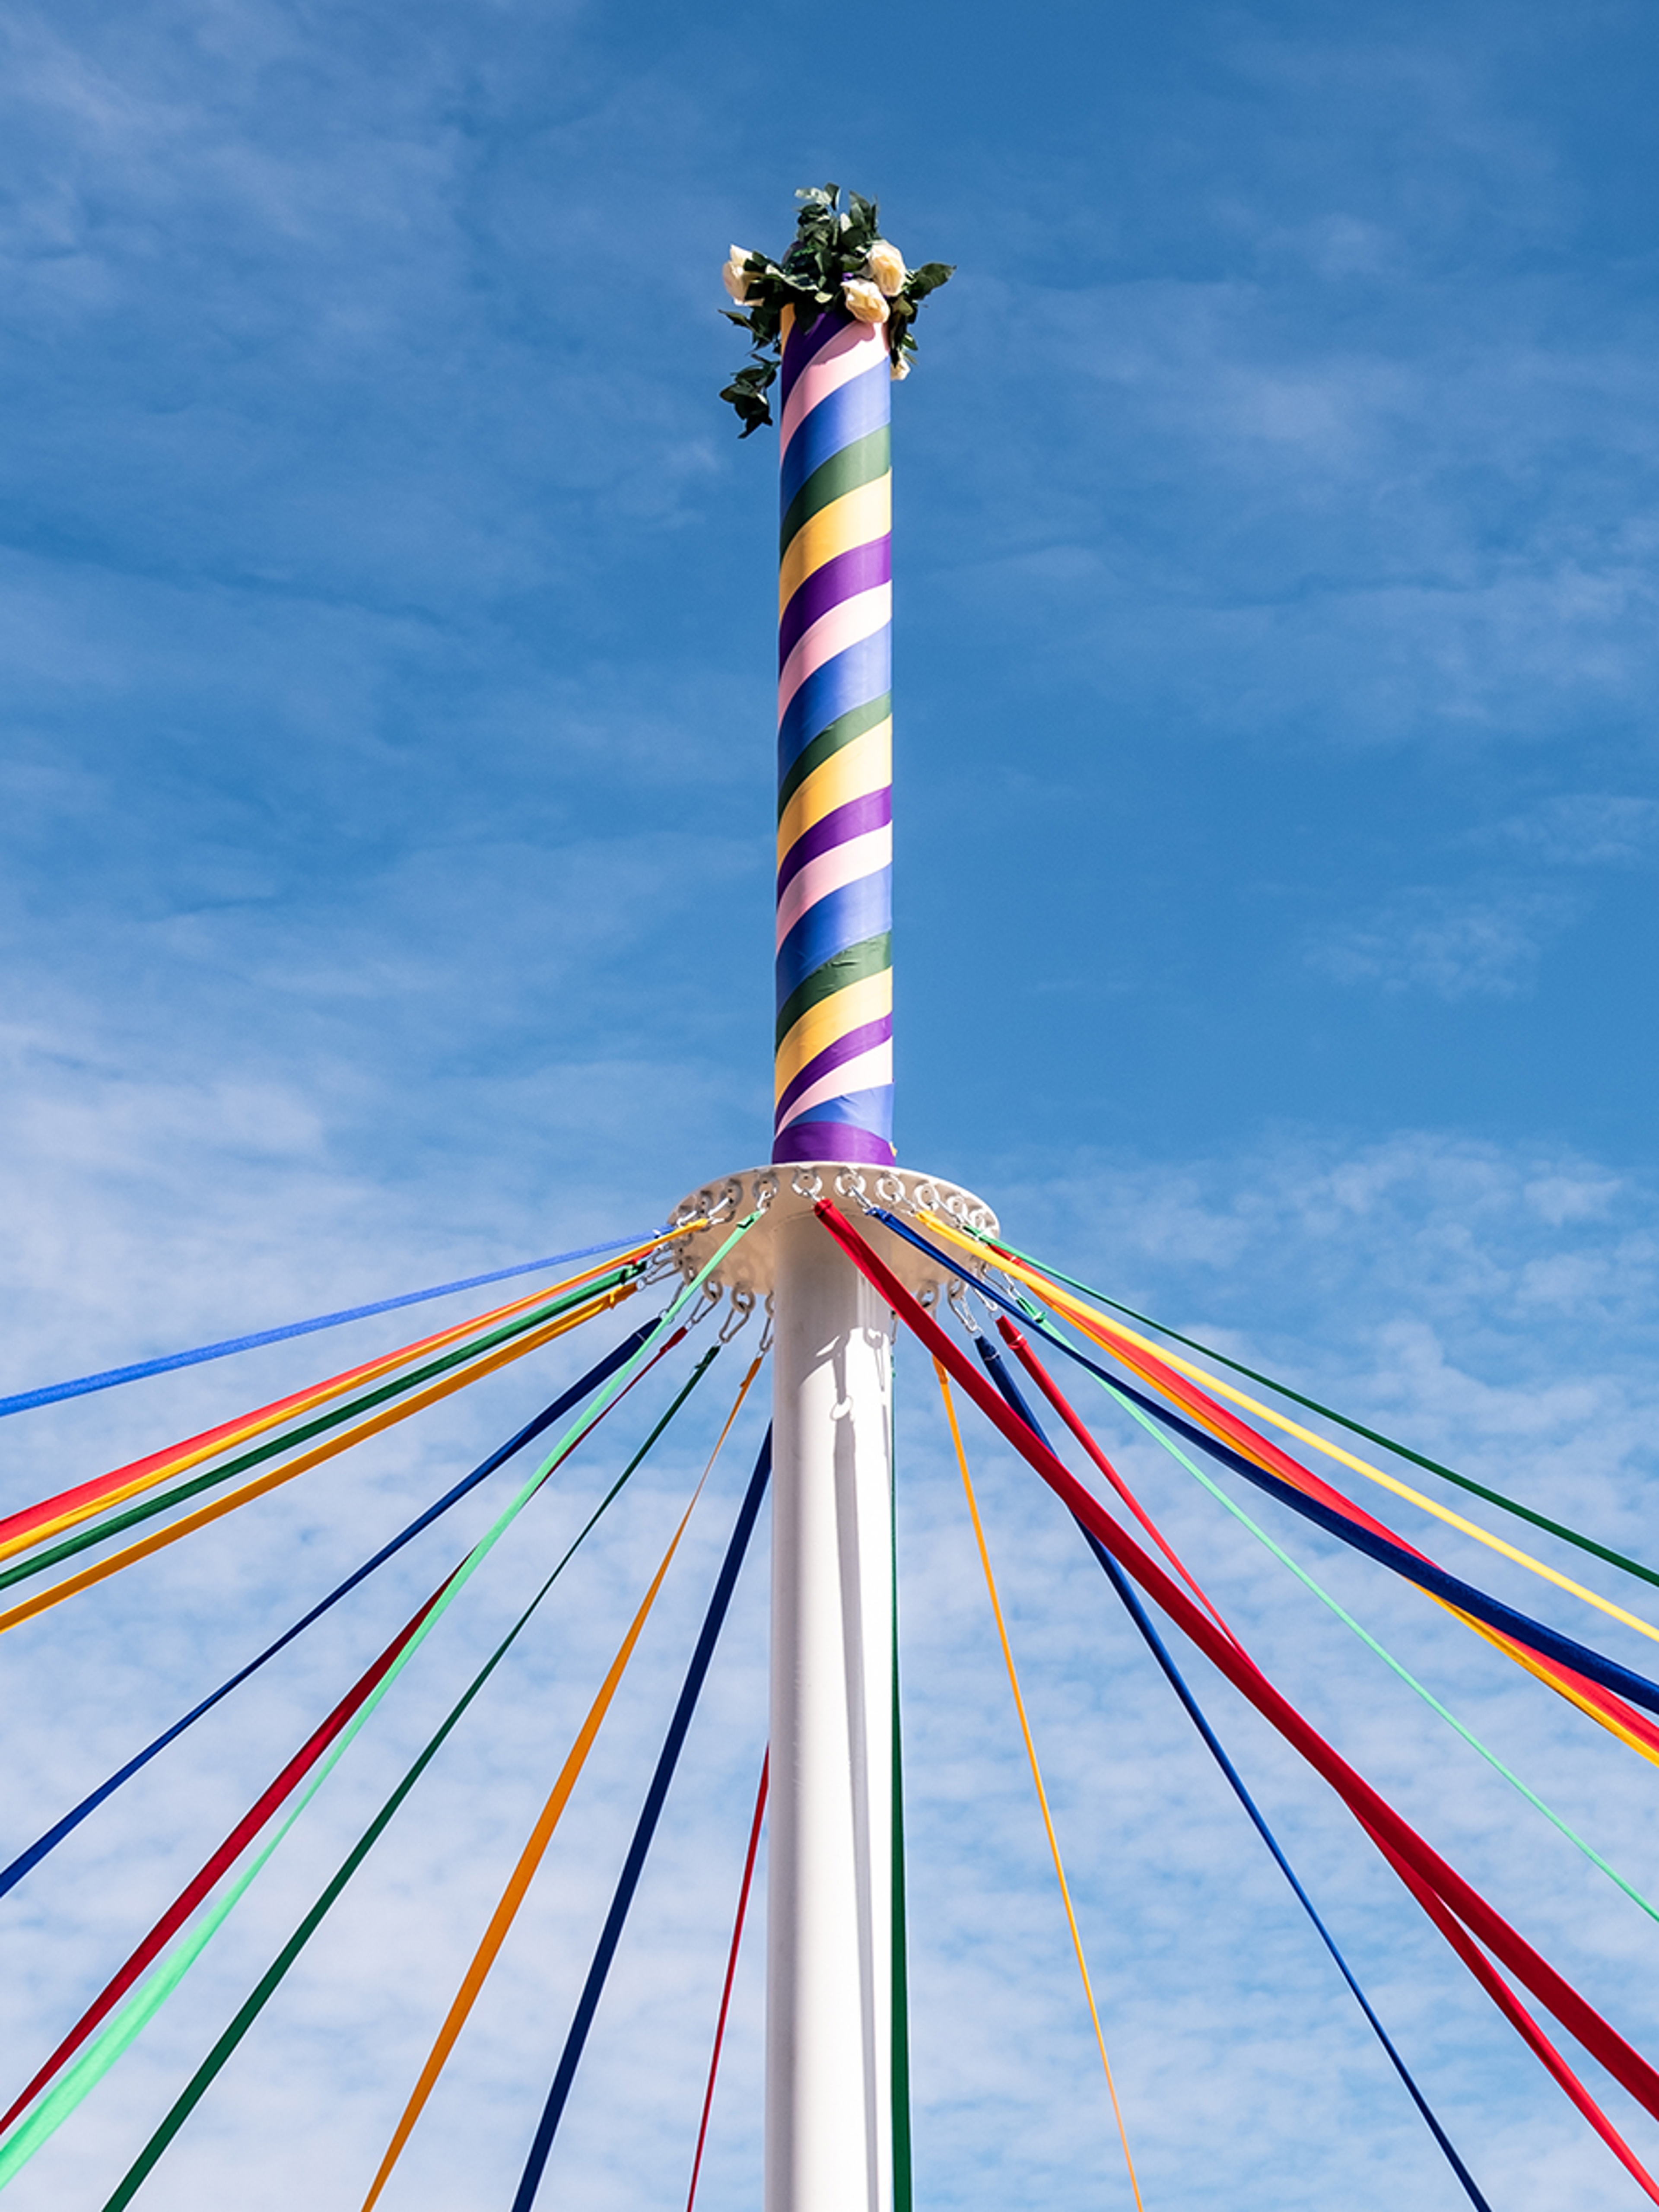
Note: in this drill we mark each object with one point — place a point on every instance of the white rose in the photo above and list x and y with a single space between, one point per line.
735 277
900 366
864 299
885 265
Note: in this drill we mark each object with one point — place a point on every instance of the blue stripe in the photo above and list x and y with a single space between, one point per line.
848 916
49 1394
863 404
851 680
864 1109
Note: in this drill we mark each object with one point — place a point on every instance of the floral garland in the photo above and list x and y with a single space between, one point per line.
839 259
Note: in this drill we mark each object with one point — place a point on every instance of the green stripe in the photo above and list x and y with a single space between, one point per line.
867 958
102 1530
860 462
842 732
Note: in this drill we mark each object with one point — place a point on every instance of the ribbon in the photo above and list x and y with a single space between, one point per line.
213 2065
650 1812
50 1394
1581 2020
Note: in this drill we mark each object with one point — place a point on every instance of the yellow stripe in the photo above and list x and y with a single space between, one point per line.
532 1341
1114 1329
1036 1773
866 1001
857 769
541 1835
855 519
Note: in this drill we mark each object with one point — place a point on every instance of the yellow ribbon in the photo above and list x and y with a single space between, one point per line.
1115 1335
1036 1775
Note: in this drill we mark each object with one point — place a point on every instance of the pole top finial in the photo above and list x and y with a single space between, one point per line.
840 264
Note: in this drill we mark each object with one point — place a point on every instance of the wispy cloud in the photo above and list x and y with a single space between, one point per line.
1453 947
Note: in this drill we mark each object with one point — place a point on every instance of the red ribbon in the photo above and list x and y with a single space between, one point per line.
1400 1842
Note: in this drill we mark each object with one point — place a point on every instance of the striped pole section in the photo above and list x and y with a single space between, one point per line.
835 964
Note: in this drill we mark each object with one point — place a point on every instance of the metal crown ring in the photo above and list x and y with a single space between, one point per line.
806 1183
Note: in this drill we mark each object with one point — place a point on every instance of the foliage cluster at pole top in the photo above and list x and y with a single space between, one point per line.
839 260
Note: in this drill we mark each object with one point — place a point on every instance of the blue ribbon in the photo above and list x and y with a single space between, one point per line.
1387 1551
633 1865
27 1861
1010 1390
50 1393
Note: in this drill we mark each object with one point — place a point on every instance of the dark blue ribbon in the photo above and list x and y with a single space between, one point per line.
27 1861
633 1865
1548 1643
1010 1390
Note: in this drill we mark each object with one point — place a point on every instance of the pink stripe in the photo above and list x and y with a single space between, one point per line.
865 1072
849 623
844 357
832 872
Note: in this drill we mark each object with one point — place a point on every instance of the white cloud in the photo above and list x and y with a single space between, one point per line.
1455 947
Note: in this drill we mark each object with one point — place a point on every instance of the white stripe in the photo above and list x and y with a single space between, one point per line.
832 872
866 1071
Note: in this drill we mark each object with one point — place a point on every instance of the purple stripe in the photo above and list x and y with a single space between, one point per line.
862 1039
873 812
860 569
805 339
833 1140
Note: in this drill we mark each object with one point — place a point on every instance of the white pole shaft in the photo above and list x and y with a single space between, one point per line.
829 1981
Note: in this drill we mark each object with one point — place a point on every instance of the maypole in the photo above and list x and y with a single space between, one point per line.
833 320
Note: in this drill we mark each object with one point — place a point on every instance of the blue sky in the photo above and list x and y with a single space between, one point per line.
385 637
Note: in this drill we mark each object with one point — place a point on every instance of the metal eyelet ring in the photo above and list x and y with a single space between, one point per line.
925 1194
957 1295
849 1182
889 1188
764 1191
728 1201
807 1182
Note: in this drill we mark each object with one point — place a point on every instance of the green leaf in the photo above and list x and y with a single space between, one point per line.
929 278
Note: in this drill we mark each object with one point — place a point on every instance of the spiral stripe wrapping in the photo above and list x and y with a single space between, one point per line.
834 968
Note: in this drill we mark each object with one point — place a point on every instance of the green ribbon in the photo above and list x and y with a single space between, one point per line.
151 1506
1387 1657
130 2020
1354 1428
197 2088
